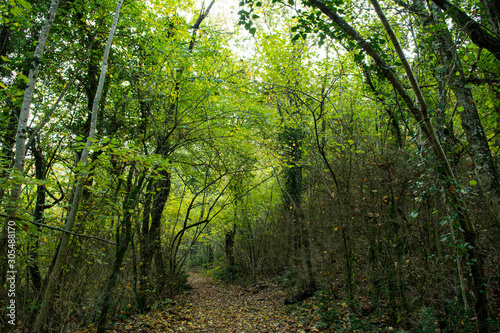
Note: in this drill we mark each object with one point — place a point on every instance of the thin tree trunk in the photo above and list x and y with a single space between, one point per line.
20 145
486 172
392 119
229 246
71 217
129 204
145 250
481 306
150 241
34 269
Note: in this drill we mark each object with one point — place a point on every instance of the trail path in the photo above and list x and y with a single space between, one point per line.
213 307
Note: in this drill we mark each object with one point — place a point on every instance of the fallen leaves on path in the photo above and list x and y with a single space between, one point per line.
213 307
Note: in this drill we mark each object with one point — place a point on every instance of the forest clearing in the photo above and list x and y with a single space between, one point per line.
250 166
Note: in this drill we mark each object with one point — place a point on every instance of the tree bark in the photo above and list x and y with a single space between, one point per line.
485 169
484 166
34 269
494 15
145 250
474 30
154 238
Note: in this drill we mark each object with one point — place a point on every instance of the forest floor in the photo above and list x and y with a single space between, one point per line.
214 307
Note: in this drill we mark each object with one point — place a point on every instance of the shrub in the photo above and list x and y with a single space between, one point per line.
230 273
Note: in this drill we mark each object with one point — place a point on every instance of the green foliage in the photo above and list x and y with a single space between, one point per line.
227 274
197 261
338 315
236 132
448 317
162 304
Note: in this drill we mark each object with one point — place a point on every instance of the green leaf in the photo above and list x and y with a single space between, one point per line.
16 11
24 77
472 182
25 4
252 30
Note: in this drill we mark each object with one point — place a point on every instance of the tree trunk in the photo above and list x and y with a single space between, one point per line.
293 202
159 200
145 250
478 35
229 246
486 172
71 217
125 227
150 240
34 269
20 145
479 281
421 115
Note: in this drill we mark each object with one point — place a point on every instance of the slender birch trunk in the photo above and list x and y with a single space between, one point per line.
20 145
71 217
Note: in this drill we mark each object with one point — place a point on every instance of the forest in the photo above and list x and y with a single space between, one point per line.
337 158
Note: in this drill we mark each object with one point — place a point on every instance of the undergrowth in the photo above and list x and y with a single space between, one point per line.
364 315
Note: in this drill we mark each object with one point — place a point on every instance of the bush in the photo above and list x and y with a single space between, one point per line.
449 316
230 273
177 282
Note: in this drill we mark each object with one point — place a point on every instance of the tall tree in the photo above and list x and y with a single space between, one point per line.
71 217
20 145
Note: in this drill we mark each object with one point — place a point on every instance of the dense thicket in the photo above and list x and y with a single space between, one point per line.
348 149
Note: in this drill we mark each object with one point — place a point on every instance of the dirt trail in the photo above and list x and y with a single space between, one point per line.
213 307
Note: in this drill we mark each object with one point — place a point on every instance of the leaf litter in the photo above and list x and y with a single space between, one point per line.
211 307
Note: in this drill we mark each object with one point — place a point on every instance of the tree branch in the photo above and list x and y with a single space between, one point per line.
478 35
65 231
